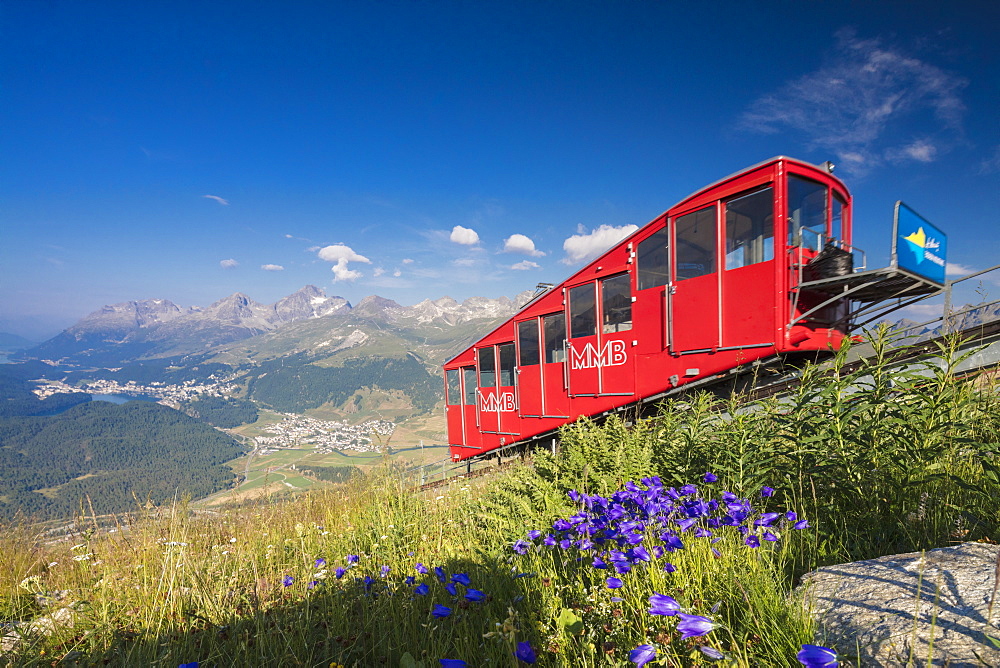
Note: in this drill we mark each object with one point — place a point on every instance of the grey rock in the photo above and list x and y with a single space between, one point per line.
47 624
922 608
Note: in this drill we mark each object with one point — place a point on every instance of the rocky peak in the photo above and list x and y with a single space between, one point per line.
127 316
308 302
235 309
375 305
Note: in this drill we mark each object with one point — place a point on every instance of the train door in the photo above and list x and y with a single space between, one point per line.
693 322
615 363
583 345
506 393
529 369
489 416
470 408
555 398
453 407
749 282
652 276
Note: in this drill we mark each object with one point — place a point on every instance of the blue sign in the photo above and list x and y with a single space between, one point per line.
918 247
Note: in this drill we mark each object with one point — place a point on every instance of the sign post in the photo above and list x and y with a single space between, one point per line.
918 246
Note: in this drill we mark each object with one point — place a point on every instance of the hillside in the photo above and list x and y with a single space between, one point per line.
115 456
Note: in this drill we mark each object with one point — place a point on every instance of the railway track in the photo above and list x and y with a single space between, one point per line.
762 380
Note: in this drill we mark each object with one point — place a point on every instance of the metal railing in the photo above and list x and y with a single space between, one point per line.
439 471
948 314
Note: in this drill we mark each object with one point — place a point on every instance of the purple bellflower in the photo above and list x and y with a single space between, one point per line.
817 656
694 625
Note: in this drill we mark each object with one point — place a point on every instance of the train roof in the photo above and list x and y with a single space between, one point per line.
588 268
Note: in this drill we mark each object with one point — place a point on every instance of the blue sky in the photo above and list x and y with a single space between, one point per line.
418 149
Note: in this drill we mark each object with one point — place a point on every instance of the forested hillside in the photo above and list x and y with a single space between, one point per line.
295 386
224 412
16 397
113 454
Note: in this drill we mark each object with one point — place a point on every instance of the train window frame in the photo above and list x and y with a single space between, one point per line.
692 256
487 372
749 232
453 387
582 311
816 235
653 260
506 363
529 350
471 385
838 210
555 347
616 309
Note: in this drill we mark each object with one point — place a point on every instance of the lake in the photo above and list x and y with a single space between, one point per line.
121 398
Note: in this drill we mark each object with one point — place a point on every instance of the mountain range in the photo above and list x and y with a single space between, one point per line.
158 328
238 329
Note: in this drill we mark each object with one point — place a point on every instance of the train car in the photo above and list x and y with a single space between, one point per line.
757 266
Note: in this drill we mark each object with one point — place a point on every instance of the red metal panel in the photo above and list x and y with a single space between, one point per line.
694 307
529 391
748 305
617 364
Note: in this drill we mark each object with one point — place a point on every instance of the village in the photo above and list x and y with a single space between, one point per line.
296 431
164 393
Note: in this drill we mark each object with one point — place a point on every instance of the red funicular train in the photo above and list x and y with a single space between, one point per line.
718 281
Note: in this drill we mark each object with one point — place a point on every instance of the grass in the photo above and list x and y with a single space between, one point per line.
878 462
177 588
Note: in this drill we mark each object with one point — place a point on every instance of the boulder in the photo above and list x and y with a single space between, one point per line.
922 608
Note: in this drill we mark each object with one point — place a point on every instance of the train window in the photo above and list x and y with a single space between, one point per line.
837 221
508 360
454 387
750 229
695 243
806 213
616 304
582 311
653 260
487 367
469 373
527 342
554 327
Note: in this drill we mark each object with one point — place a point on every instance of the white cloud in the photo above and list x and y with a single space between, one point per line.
864 105
955 269
224 202
378 272
338 252
341 254
921 150
519 243
342 273
229 264
397 273
464 236
407 260
272 267
465 262
525 265
585 246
